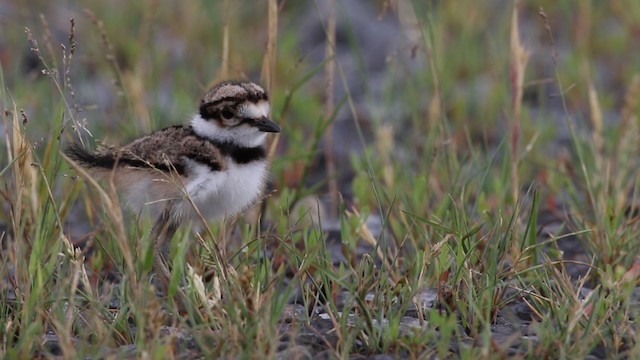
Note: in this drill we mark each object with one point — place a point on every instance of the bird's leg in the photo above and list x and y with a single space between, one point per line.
161 234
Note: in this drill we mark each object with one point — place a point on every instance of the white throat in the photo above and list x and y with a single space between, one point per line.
243 136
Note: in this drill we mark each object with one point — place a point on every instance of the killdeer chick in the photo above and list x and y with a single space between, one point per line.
215 166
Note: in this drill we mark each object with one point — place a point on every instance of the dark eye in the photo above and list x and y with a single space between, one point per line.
226 113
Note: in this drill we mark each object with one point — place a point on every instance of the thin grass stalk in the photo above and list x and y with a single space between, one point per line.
597 124
24 175
112 60
269 63
601 183
519 60
435 114
48 41
570 124
269 60
626 149
110 202
224 68
329 106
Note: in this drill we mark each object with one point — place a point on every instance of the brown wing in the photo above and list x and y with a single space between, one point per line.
168 148
164 150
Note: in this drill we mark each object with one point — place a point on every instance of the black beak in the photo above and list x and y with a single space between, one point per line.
266 125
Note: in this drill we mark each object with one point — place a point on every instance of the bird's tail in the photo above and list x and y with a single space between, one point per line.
88 159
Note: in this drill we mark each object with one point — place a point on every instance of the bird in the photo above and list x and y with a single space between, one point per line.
215 166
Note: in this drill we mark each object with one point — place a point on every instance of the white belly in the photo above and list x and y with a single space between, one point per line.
223 193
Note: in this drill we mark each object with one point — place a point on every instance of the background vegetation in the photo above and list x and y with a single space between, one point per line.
491 161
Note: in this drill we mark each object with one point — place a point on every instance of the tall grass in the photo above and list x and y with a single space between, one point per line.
442 208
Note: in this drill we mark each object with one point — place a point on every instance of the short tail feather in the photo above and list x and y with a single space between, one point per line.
88 159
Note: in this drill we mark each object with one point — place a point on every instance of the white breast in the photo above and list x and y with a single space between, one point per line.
217 194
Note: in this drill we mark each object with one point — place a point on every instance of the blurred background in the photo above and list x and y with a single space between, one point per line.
414 94
427 138
402 67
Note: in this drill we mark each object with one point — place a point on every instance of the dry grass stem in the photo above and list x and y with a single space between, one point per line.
329 107
518 66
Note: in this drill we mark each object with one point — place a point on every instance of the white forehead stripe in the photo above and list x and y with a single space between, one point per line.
255 111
